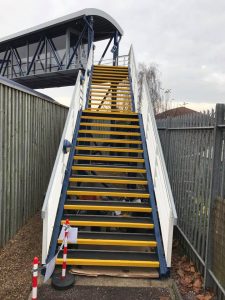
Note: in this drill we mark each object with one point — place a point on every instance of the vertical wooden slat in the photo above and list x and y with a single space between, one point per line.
30 132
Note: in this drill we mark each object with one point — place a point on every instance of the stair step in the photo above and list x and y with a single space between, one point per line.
103 89
107 169
108 221
107 71
110 76
109 113
115 177
102 140
110 119
115 239
90 131
123 74
110 67
109 258
110 101
110 80
109 204
106 193
109 125
106 208
109 91
108 158
109 149
109 85
120 71
108 180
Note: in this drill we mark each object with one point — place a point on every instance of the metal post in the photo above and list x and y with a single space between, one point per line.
90 32
67 46
115 49
214 188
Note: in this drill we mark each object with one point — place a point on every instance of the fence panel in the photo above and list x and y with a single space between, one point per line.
194 152
30 129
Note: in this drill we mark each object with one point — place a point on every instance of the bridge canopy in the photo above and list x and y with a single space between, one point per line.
50 54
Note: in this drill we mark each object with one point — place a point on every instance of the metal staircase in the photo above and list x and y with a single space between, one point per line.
107 189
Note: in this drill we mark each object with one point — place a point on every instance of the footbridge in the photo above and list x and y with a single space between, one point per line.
51 54
109 178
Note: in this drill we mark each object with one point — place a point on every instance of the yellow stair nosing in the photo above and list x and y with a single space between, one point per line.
120 111
108 80
104 242
113 112
111 263
111 85
108 169
102 158
125 126
110 102
109 132
117 98
106 193
103 89
110 67
101 93
110 75
107 208
108 118
109 224
129 113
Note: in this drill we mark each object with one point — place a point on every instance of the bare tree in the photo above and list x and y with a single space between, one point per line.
159 101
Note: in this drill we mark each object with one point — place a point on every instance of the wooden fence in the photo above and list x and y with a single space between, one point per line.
194 151
31 125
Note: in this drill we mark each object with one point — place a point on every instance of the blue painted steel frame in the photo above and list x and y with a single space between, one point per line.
89 87
163 270
57 225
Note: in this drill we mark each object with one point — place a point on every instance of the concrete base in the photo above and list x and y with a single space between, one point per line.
110 288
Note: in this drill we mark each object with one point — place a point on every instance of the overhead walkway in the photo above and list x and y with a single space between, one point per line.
111 180
51 54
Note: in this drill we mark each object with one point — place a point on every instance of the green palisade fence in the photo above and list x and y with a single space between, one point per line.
194 150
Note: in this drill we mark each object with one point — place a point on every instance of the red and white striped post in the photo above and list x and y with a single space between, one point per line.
65 249
35 278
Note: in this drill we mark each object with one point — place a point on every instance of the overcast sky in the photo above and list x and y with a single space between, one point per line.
185 39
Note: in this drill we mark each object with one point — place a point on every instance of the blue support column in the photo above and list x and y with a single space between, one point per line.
115 48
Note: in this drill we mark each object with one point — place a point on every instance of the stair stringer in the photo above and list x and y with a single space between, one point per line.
164 270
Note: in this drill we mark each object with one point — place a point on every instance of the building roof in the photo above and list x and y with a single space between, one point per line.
179 111
104 26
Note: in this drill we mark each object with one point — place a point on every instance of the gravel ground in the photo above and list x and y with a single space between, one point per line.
16 260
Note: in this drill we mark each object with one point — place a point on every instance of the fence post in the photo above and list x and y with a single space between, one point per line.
167 141
214 187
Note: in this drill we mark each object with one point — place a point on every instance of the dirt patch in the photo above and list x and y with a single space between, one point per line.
16 260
